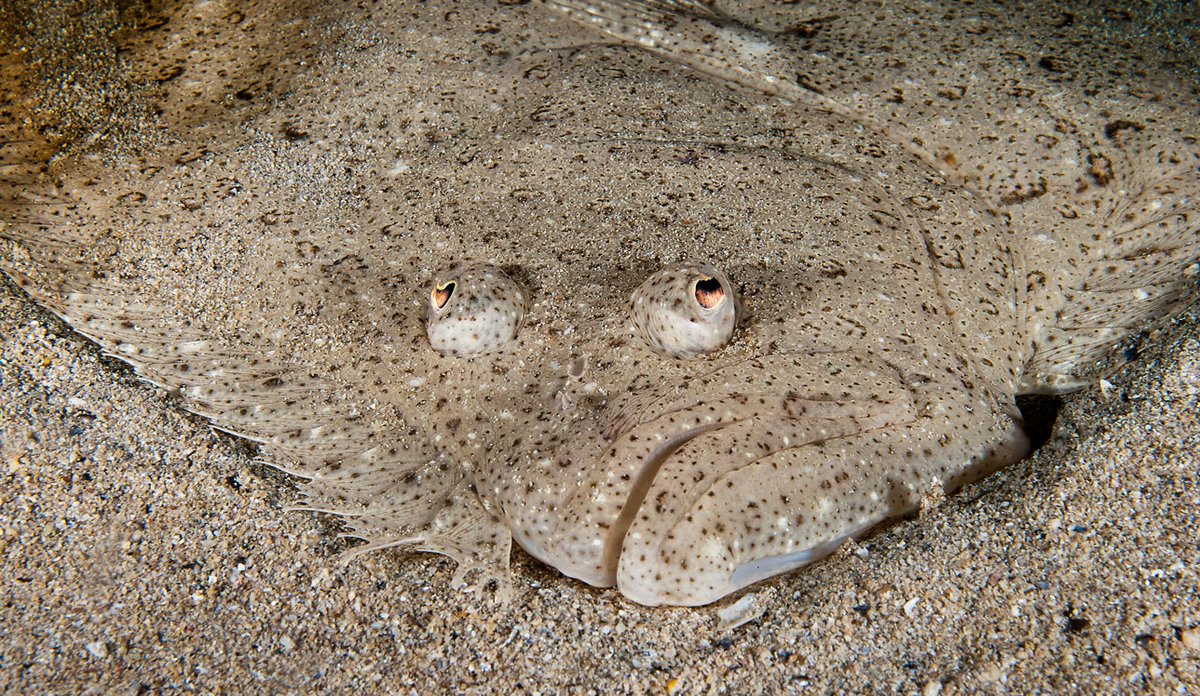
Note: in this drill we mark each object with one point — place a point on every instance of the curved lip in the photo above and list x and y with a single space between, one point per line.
614 539
651 465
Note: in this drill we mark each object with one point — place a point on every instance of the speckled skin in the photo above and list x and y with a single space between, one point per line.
933 209
674 316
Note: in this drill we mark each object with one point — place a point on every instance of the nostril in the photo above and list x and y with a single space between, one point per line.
709 292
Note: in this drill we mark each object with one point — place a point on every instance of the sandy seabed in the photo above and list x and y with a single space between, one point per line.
142 552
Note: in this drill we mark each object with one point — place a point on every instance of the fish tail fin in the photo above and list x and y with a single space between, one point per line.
1146 264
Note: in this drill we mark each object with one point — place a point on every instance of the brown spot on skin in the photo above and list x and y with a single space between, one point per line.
1025 193
1114 129
1100 168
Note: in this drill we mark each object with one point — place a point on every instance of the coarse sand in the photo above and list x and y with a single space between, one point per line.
142 552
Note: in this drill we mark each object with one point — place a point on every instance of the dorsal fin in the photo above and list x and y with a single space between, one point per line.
1148 267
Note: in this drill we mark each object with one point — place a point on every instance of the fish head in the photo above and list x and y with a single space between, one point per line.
674 355
622 460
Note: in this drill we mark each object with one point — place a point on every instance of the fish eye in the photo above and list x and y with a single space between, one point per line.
473 309
441 294
685 310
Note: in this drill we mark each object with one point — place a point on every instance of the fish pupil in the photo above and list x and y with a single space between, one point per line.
709 292
442 293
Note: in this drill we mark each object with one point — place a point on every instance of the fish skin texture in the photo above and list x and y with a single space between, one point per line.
922 212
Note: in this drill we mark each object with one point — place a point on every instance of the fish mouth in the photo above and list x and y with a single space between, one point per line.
676 448
641 487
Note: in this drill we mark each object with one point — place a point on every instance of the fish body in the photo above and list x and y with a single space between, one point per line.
913 237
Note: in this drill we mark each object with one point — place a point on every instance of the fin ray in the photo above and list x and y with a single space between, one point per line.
388 487
1151 269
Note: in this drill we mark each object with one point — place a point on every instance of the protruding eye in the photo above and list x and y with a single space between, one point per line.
685 310
474 309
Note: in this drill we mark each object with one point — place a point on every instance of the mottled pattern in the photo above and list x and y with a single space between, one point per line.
927 210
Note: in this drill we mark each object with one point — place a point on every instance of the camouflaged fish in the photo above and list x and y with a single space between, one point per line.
677 295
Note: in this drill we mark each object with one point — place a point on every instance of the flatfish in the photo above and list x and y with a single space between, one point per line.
677 295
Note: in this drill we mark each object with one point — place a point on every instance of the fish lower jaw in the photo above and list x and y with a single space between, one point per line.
574 563
648 586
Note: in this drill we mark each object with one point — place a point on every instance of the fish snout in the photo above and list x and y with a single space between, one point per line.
786 479
750 471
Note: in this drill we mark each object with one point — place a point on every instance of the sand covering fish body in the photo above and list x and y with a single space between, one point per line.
924 211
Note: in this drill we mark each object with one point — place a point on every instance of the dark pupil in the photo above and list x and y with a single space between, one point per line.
709 293
442 295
